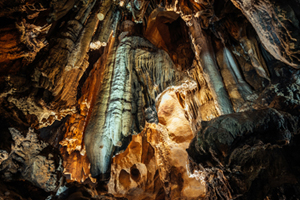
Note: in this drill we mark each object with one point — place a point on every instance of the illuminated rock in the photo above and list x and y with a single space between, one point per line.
155 162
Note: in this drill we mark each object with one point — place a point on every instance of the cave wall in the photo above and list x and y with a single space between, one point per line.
102 99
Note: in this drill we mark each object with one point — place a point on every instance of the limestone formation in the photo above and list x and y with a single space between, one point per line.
225 141
149 99
155 163
238 90
26 161
73 148
205 55
135 81
273 29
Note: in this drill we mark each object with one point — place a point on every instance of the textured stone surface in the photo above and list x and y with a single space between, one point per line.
155 163
133 82
205 56
76 163
30 160
277 27
140 79
243 145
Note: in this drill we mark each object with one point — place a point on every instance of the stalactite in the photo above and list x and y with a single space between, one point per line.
95 149
229 78
138 9
78 53
243 86
250 49
249 73
236 87
205 56
108 25
62 67
121 87
154 71
104 9
203 94
72 144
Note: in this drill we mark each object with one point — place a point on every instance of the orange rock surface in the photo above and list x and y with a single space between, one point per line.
76 164
155 163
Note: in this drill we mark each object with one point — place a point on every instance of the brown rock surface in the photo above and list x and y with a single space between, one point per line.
276 29
30 159
119 89
156 160
76 163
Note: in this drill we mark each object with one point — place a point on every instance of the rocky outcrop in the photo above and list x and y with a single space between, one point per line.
249 148
155 163
32 160
254 148
277 27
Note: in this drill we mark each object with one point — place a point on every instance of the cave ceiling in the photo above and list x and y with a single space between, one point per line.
149 99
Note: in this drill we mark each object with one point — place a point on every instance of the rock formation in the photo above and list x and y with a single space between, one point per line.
149 99
140 72
31 160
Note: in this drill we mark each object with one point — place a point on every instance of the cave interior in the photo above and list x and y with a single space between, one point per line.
149 99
